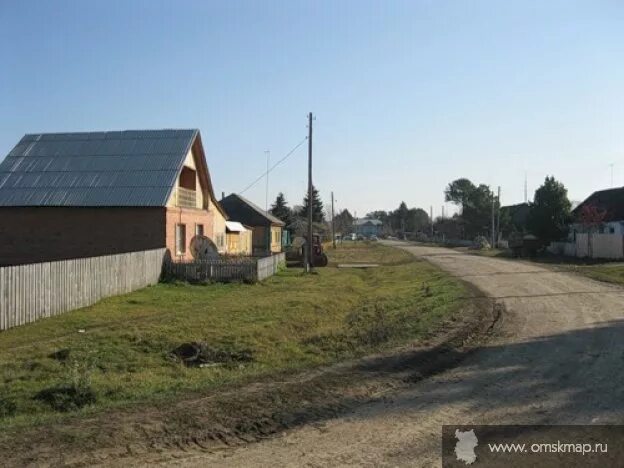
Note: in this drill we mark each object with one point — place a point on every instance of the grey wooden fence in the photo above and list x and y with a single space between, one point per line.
247 269
31 292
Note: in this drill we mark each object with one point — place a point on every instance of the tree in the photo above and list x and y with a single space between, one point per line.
417 220
591 217
318 215
281 210
476 205
344 222
550 211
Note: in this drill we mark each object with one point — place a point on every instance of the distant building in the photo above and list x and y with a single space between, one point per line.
74 195
367 227
610 203
267 229
239 238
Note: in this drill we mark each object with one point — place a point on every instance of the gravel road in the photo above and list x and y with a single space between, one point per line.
557 359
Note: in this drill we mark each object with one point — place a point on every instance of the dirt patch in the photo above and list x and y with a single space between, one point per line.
240 415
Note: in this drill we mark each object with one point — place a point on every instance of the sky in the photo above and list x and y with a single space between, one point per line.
407 95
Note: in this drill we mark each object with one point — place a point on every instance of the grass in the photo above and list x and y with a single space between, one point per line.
600 270
118 352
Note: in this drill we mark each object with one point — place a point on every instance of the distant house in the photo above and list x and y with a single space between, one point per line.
267 229
367 227
239 238
72 195
609 204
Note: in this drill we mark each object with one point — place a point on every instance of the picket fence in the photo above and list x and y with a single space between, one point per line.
234 269
38 290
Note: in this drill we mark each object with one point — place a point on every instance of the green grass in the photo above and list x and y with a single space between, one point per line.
289 322
600 270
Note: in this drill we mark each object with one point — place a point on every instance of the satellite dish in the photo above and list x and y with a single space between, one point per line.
202 248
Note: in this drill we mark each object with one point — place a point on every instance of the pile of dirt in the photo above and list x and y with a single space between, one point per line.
198 354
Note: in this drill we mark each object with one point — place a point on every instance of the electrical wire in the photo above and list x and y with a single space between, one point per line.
274 166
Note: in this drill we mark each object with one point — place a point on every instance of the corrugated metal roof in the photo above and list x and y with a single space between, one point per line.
124 168
234 198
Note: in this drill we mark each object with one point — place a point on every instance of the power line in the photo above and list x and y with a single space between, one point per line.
274 166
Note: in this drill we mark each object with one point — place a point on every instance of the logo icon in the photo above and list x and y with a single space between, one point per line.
466 443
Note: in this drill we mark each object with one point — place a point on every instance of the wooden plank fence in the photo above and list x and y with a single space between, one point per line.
233 269
31 292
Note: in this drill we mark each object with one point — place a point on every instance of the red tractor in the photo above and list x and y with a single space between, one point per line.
296 253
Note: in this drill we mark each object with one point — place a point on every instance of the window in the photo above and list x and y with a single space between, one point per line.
199 229
180 239
220 240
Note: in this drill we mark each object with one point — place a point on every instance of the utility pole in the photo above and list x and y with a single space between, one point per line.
431 219
498 217
308 259
493 223
526 199
333 224
266 199
611 174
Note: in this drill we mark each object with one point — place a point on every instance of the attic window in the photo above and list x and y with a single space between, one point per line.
188 178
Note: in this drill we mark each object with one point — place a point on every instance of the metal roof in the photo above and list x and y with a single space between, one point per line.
234 205
235 226
374 222
122 168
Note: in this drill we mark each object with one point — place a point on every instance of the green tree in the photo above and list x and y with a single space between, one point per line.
550 211
281 210
344 222
476 205
417 220
318 214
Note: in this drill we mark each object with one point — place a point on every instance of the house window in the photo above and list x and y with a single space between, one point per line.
199 229
220 240
180 239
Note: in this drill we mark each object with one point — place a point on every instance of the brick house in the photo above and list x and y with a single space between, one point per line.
72 195
267 229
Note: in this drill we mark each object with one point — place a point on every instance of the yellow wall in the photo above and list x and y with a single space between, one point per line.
239 243
190 163
218 228
276 239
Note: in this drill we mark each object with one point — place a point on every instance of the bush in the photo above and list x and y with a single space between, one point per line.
7 408
66 398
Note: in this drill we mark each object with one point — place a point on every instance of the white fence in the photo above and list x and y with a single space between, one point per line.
607 246
246 269
268 266
38 290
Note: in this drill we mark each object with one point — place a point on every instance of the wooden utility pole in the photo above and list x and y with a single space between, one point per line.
498 210
333 223
266 199
431 219
493 221
308 259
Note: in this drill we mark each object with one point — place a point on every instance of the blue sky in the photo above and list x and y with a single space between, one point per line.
408 95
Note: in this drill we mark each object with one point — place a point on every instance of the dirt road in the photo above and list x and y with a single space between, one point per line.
558 358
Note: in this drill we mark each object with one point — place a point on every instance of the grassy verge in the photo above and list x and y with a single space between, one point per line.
118 352
600 270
